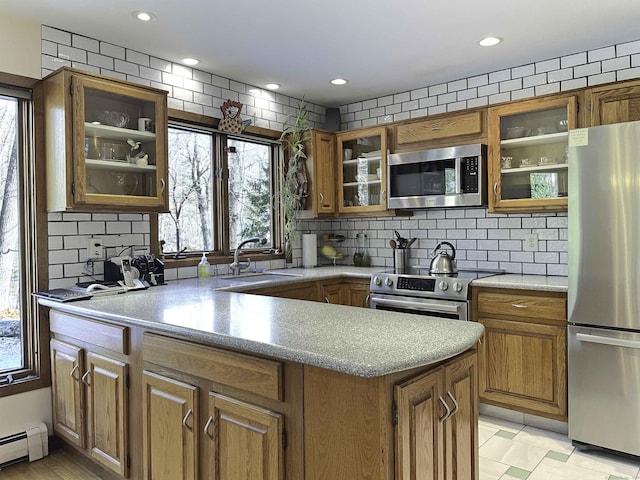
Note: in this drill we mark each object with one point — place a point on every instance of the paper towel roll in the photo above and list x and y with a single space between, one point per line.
309 250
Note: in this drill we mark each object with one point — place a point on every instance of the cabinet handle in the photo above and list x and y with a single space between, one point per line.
384 195
85 377
162 185
321 197
206 427
366 300
186 417
517 305
455 404
435 129
326 300
495 189
74 370
446 407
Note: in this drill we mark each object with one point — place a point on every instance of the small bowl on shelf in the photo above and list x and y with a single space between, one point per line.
562 125
526 162
515 132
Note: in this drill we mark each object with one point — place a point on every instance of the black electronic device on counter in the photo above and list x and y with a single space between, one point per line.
147 268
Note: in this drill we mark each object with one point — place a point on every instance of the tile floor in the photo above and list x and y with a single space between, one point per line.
512 451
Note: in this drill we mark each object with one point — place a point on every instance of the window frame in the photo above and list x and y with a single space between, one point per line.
224 253
35 373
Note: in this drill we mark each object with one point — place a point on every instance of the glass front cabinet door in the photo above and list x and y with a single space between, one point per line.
362 165
106 144
528 154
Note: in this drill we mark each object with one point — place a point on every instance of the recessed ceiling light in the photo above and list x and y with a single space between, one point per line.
490 41
190 61
144 16
339 81
272 86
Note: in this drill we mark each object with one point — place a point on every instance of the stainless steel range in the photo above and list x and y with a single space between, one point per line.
442 296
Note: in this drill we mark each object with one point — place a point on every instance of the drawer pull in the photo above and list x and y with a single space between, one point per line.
455 404
184 420
74 370
518 305
321 197
446 407
85 377
206 427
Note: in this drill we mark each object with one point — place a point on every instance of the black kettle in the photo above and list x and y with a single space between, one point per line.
442 263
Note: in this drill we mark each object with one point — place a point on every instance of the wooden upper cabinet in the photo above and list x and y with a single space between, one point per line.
321 177
439 127
527 154
362 171
615 103
105 144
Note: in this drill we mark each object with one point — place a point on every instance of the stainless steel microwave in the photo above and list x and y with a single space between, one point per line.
445 177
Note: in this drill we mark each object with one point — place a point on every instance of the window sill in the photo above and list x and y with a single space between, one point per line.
194 258
23 385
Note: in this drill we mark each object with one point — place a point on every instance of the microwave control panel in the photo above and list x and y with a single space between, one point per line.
470 174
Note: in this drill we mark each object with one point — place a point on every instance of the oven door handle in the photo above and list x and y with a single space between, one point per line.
422 306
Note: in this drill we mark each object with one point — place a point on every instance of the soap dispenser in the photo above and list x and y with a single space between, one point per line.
203 266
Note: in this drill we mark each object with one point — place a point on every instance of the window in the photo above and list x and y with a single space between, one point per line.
220 191
19 335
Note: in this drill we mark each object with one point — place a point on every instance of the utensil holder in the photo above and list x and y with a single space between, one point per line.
400 260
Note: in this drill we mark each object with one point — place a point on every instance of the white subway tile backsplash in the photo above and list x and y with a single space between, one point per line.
500 76
602 78
629 74
573 60
619 63
523 71
628 48
548 65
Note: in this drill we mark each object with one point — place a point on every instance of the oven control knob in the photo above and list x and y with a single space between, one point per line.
377 281
388 282
457 287
443 285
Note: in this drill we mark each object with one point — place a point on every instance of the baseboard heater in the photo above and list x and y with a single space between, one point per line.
30 444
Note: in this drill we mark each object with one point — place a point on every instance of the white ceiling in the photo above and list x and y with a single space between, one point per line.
382 47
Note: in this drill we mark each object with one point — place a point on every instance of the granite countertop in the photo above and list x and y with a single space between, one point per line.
352 340
525 282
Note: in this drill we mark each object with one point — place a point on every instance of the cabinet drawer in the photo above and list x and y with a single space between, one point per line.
244 372
523 304
111 337
446 126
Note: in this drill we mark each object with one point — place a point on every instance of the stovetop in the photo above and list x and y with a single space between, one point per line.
448 287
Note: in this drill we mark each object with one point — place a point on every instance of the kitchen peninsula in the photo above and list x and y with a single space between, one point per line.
185 381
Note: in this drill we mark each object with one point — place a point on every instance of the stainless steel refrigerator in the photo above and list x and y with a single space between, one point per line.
604 287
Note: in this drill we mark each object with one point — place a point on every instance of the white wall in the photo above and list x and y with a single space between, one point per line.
19 47
20 55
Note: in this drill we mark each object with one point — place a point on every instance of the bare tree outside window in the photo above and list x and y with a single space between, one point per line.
249 191
189 225
11 342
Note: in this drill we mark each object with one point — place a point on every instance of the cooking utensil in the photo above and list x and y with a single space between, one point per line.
402 242
410 242
442 263
392 244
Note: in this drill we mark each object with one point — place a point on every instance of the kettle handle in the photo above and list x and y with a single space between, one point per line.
453 250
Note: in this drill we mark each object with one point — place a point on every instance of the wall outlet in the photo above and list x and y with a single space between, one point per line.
95 249
531 242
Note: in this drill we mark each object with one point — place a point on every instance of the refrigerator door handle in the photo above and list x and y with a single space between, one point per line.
617 342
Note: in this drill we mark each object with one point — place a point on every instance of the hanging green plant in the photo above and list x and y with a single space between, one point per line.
295 133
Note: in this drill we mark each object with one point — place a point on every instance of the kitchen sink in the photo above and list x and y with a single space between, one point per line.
257 277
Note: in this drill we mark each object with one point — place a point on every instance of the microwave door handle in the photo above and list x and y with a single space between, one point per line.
459 186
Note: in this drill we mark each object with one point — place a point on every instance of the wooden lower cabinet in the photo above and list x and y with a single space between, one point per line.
90 406
244 441
344 291
395 427
523 353
352 292
437 426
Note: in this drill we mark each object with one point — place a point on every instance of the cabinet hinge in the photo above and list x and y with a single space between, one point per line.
126 381
284 439
394 413
590 106
71 89
128 461
577 107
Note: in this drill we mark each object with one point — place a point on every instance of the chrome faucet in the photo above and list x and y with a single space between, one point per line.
237 266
